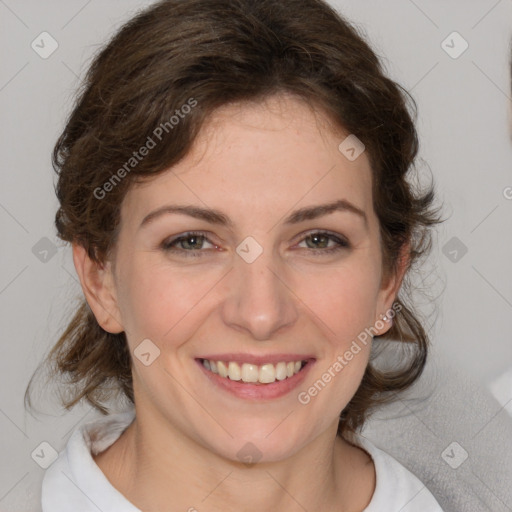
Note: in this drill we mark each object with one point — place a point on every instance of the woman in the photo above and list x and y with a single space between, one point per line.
233 181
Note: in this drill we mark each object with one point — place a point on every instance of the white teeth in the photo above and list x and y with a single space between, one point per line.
281 371
267 373
251 373
222 369
234 372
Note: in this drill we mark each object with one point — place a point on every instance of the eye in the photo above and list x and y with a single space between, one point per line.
324 242
192 243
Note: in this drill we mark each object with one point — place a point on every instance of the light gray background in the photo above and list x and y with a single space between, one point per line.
464 132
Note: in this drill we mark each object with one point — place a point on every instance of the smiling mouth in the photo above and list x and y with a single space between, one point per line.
252 373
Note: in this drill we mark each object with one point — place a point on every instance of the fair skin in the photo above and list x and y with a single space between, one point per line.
257 164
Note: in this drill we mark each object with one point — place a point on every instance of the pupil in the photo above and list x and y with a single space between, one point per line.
319 239
192 241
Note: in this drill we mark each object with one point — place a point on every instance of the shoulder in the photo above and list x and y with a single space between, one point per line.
74 481
396 487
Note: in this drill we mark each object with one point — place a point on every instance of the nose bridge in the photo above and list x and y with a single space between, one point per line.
258 301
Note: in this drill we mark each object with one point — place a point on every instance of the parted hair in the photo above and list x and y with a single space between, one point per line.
207 54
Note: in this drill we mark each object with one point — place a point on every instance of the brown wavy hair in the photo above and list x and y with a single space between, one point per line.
216 52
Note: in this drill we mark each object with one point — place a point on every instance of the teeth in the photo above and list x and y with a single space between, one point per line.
222 369
267 374
234 372
281 371
251 373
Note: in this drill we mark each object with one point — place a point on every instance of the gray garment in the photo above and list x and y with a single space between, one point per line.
446 417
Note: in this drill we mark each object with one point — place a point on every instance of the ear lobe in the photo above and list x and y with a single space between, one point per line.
389 292
99 289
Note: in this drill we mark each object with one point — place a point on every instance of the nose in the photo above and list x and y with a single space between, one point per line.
259 301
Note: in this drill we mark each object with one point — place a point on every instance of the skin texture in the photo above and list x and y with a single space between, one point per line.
257 163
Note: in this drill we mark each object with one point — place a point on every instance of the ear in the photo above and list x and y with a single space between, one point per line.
389 291
99 289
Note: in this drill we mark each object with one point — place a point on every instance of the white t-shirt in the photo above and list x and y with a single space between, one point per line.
74 482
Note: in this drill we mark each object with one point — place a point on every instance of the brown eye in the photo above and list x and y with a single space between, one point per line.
193 243
324 242
190 242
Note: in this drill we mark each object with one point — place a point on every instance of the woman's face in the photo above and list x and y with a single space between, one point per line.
271 274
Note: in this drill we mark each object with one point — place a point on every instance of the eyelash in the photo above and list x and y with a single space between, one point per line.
167 245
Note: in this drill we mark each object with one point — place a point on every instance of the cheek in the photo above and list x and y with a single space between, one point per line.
343 300
344 306
158 301
165 304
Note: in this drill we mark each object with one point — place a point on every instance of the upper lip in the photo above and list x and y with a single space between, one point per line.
258 359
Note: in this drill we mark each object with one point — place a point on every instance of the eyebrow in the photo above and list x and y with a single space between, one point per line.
217 217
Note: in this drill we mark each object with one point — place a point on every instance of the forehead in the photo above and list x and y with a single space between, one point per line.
269 155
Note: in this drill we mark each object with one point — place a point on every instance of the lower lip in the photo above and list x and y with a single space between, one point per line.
256 392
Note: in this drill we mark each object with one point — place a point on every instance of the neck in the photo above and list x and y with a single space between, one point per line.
157 467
